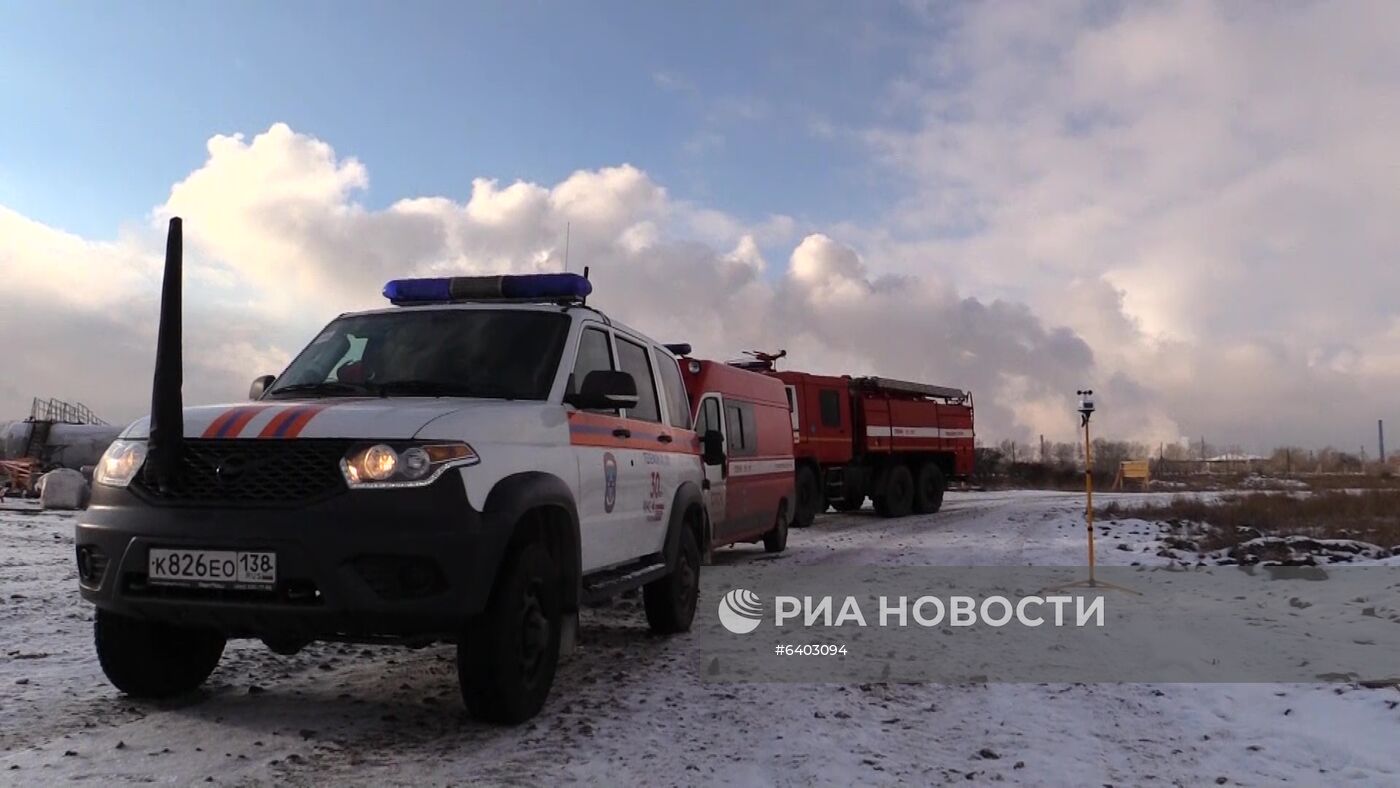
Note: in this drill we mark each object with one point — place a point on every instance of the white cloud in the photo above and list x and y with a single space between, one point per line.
279 244
1199 189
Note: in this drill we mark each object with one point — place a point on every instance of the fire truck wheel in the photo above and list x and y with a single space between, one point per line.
809 497
898 497
146 659
507 656
670 601
848 504
928 489
775 541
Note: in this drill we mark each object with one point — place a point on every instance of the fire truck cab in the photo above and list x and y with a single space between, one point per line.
743 419
894 441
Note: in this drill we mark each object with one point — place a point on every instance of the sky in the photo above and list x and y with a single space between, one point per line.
1187 206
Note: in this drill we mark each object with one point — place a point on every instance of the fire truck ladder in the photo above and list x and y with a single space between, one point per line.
906 387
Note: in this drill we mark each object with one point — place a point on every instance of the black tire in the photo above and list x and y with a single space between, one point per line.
670 601
928 489
147 659
898 498
848 504
508 654
775 541
809 497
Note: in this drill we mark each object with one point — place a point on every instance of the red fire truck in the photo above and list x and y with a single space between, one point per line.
896 442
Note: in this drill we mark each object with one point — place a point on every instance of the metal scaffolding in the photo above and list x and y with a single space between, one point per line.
53 410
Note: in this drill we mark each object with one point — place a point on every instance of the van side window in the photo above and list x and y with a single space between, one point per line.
594 353
739 421
830 401
634 361
677 404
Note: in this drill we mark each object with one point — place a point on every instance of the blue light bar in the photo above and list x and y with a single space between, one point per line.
679 348
526 287
418 291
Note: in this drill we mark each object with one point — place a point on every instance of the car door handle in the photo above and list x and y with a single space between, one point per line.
622 432
665 438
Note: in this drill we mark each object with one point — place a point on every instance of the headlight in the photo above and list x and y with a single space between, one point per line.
411 465
120 463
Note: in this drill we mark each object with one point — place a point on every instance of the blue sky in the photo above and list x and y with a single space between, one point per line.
106 105
1131 196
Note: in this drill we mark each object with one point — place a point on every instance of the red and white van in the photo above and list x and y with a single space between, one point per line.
745 424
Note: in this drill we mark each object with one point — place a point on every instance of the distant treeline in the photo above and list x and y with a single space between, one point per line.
1056 464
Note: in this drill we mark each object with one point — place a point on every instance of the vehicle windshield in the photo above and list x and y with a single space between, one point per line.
501 353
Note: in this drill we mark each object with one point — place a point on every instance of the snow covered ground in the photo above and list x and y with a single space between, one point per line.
629 708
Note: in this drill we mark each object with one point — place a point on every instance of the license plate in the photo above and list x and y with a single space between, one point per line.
212 567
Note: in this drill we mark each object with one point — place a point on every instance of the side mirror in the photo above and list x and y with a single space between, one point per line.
605 389
712 447
260 385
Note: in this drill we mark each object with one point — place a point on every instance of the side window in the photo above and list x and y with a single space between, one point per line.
792 406
708 418
677 405
632 358
739 420
594 353
830 401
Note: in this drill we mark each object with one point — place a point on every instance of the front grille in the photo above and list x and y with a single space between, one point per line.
270 473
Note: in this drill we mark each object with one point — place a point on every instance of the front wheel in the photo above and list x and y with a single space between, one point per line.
670 602
508 654
809 497
146 659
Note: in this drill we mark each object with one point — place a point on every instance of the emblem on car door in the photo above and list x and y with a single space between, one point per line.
609 482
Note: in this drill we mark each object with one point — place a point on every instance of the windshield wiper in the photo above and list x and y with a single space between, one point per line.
329 388
437 388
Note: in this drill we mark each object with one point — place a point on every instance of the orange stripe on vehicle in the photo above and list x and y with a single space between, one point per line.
219 422
592 429
231 422
271 429
301 419
235 428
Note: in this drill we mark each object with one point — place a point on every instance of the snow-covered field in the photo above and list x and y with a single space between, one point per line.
629 708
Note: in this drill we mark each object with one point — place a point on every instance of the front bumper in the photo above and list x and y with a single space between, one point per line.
369 565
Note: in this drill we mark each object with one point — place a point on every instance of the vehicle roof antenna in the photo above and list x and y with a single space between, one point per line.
567 227
584 300
167 408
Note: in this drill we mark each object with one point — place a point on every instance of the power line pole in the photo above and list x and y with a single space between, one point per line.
1380 438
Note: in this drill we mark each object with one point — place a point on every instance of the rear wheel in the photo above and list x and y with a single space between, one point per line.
775 541
898 498
670 601
809 497
146 659
507 658
928 489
